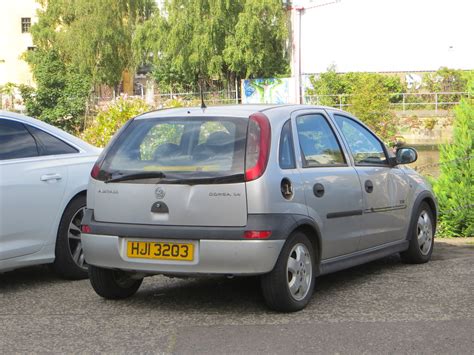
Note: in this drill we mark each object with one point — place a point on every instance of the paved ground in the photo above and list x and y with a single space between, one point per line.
382 307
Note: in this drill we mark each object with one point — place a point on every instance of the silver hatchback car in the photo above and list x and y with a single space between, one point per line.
286 192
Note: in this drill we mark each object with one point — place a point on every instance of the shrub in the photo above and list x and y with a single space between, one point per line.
447 80
455 186
114 116
370 103
327 86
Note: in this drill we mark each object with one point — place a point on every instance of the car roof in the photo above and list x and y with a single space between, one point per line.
50 129
274 112
243 110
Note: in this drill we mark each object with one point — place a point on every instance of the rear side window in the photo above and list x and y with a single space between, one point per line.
287 154
319 145
15 141
181 148
50 145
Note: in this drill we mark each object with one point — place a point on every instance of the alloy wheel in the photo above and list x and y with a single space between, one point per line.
74 239
299 271
424 232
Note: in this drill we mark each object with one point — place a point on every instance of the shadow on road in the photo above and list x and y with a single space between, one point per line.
28 277
218 294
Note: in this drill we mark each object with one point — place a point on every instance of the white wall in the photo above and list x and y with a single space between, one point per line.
387 35
12 42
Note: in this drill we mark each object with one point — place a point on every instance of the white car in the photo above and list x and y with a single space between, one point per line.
44 173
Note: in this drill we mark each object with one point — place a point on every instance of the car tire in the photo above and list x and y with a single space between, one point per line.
421 237
113 284
289 286
69 260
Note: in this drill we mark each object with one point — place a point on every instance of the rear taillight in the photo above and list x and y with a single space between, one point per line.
95 171
258 146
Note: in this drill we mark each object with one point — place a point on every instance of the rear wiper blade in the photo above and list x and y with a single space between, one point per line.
137 176
206 180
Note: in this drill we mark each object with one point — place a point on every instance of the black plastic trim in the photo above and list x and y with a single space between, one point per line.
344 214
361 257
385 209
281 225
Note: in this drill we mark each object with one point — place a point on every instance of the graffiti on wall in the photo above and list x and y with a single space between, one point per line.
266 91
414 81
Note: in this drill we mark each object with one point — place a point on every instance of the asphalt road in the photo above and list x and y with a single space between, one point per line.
381 307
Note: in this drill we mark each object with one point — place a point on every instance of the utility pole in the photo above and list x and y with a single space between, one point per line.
296 19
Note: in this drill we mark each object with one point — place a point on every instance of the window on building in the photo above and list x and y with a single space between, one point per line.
25 24
31 48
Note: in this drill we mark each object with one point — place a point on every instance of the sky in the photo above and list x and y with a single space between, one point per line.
387 35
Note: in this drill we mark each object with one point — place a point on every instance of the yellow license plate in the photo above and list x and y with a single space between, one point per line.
160 250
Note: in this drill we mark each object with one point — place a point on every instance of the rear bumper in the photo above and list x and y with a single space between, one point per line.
212 256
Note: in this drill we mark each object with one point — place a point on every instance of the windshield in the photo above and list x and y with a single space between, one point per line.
178 149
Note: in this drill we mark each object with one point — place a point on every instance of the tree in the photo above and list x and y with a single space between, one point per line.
257 46
455 186
214 39
79 44
62 92
92 36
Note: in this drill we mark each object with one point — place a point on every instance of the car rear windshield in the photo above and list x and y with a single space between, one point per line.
178 150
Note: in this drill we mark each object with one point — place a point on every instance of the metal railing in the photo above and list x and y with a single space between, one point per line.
222 97
404 101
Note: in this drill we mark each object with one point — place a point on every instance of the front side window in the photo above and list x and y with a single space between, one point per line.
365 148
319 145
50 145
190 148
15 141
287 154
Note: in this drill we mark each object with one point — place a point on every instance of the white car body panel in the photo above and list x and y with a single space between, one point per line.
34 193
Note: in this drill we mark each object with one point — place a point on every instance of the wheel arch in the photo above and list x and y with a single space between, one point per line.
311 229
428 198
78 194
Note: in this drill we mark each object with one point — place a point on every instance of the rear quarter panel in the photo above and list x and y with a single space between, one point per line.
79 169
264 194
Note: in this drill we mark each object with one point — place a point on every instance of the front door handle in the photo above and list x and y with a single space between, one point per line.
369 186
49 177
318 190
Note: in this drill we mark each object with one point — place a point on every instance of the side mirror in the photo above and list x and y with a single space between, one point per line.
406 156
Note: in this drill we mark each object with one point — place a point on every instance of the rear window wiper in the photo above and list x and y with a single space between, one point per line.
227 179
138 176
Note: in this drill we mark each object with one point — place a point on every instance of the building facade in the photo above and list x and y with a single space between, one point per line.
16 18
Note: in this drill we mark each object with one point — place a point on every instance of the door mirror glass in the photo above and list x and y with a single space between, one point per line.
406 155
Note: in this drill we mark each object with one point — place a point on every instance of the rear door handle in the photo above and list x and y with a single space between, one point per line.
49 177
